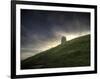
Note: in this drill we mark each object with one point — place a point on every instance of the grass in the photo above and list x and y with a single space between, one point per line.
73 53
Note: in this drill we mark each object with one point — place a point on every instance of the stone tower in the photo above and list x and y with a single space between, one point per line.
63 40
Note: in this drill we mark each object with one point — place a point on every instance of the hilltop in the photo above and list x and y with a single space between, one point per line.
73 53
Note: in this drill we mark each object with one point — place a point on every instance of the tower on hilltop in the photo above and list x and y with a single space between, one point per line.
63 40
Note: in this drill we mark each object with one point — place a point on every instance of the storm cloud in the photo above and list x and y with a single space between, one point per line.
41 30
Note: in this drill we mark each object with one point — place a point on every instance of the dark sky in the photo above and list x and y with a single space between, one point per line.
40 29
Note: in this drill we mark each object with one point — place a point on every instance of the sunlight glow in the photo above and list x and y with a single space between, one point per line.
54 43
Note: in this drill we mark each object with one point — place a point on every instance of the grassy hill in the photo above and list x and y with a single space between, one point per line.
73 53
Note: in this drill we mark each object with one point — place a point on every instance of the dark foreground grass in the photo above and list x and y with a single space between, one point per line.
73 53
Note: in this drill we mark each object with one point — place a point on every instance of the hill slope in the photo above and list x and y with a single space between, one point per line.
73 53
